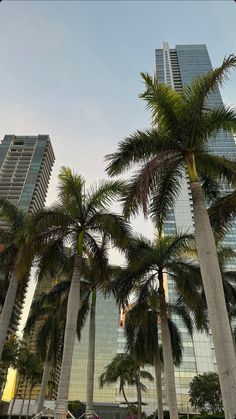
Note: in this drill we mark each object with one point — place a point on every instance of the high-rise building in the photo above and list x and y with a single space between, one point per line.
107 318
25 168
177 67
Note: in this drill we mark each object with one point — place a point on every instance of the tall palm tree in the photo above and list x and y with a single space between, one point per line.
95 281
32 374
47 320
35 378
142 329
51 307
47 317
125 368
179 143
12 237
148 264
23 364
80 217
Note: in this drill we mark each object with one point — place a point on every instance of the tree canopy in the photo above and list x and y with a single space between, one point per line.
205 394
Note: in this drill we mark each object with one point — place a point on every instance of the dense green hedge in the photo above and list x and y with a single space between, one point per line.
209 417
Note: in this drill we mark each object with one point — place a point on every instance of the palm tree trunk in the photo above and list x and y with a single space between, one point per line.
13 403
28 408
7 310
3 384
213 287
73 305
139 396
23 401
157 368
91 357
167 353
46 374
125 398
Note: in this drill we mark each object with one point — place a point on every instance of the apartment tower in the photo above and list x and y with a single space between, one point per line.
25 168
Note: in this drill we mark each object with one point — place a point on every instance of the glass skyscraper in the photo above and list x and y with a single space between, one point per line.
178 67
175 67
107 318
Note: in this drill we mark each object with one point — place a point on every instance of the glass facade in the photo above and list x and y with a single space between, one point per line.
178 67
107 317
175 67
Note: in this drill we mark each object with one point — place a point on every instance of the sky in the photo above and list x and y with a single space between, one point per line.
71 69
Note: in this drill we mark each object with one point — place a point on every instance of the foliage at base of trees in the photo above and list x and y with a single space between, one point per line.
209 417
205 394
77 408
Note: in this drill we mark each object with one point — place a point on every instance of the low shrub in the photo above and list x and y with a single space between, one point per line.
208 417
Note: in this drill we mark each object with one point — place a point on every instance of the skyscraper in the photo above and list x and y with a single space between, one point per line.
25 168
107 318
177 67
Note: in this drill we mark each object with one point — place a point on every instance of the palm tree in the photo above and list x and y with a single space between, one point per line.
34 376
179 143
189 286
80 217
94 280
148 265
23 364
125 368
47 317
141 330
50 309
16 272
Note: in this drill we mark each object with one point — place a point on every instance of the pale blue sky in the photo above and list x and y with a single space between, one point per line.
71 69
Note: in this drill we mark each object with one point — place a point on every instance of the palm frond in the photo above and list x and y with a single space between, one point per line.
196 95
100 196
151 173
176 342
146 375
217 167
13 216
210 187
137 148
162 101
174 246
82 315
220 118
183 312
222 212
71 189
165 192
114 226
